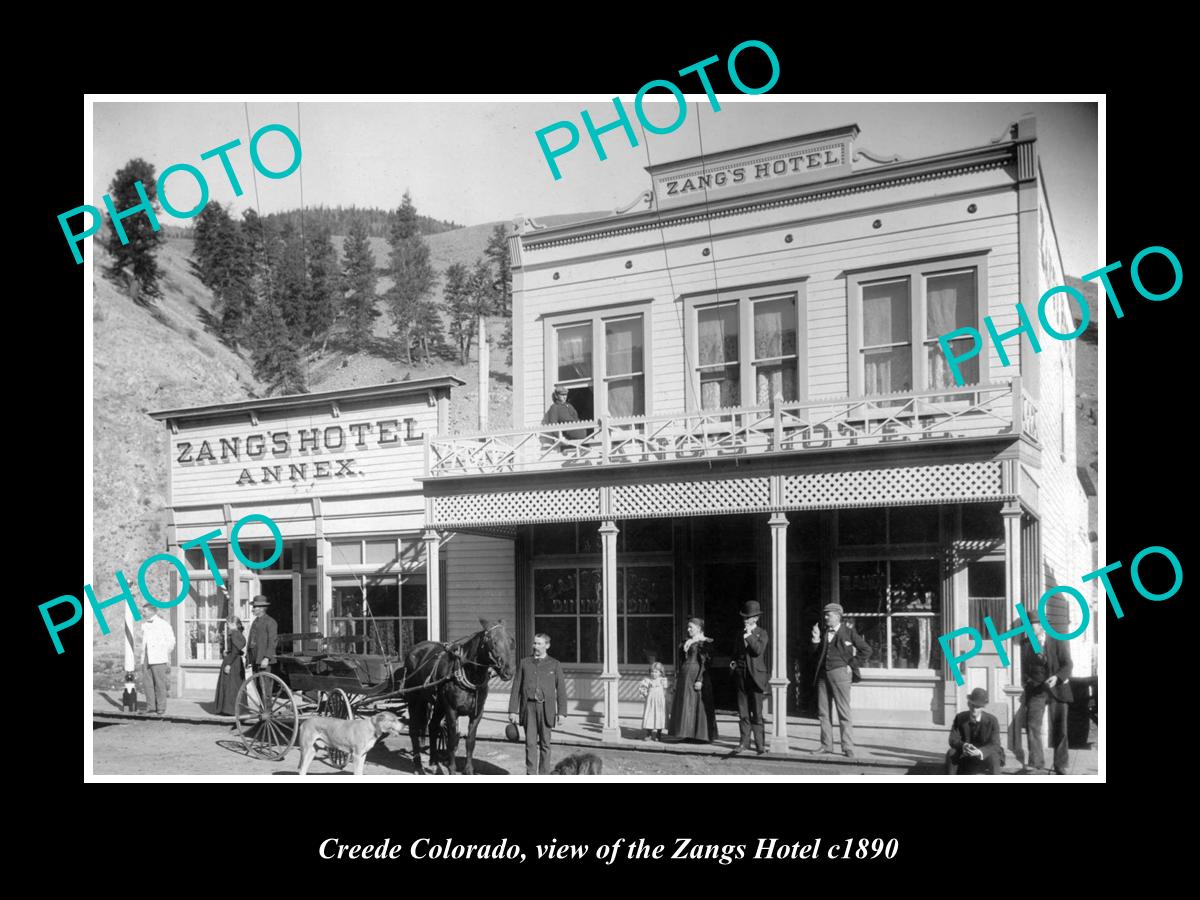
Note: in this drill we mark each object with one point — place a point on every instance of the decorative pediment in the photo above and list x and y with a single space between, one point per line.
755 169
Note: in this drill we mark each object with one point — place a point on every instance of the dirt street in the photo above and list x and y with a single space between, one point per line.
168 748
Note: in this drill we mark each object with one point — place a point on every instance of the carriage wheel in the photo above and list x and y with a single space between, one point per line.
267 716
338 706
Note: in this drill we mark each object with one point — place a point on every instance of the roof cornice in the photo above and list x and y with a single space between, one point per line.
291 401
945 165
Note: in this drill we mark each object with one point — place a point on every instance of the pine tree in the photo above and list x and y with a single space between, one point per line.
324 284
133 263
291 282
220 260
412 280
497 252
457 296
428 331
358 282
277 362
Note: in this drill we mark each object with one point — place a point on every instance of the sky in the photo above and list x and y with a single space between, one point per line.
479 161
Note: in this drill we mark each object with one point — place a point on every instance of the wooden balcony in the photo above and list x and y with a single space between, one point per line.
949 414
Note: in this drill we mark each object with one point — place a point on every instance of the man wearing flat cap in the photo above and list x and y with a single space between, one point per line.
562 411
750 676
975 739
260 646
841 651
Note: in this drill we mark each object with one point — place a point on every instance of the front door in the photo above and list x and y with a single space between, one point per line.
724 588
279 592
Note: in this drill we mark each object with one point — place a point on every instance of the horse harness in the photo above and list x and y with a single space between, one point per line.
458 674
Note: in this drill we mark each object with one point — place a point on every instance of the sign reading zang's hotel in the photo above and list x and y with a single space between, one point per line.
356 441
762 167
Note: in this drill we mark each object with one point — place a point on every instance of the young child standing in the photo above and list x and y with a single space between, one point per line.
654 689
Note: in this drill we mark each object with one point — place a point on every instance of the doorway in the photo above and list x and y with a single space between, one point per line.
724 587
279 592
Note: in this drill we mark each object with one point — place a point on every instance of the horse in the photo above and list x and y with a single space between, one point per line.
453 679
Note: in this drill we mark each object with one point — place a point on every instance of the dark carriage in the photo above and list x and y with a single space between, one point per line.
271 705
442 680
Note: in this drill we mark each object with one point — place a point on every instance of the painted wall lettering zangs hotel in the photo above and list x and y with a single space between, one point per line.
622 120
147 207
126 594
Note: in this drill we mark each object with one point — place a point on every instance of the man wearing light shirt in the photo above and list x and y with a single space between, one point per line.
158 640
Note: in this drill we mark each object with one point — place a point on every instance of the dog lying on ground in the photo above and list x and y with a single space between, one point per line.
353 736
579 764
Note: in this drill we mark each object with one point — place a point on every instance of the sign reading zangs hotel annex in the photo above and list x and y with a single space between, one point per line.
764 167
322 448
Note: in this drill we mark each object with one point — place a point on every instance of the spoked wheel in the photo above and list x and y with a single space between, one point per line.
267 716
338 706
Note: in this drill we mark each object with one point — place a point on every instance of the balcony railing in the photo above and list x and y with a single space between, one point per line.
976 411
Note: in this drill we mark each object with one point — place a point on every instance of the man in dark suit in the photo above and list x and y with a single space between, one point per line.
841 651
975 739
260 645
1046 677
562 411
539 698
750 677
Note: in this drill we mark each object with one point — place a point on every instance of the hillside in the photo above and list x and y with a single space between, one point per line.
151 358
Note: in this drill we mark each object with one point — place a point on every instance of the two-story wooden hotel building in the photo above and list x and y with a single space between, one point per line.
768 416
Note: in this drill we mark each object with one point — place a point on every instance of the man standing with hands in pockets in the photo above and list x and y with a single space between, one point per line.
750 677
539 697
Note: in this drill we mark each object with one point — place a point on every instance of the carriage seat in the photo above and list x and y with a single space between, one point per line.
373 668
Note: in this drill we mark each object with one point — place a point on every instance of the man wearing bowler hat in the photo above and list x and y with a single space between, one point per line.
750 677
260 646
840 652
975 739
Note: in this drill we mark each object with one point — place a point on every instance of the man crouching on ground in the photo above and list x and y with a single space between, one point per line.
975 740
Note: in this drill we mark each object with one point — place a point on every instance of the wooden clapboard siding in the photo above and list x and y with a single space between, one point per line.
751 249
1063 504
480 582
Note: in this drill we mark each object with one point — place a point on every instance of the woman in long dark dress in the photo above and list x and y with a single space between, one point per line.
694 716
233 671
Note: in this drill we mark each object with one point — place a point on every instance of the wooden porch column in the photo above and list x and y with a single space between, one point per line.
779 679
433 592
1011 514
1013 581
608 584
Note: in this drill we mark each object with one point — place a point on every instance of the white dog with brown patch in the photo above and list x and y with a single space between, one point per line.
353 736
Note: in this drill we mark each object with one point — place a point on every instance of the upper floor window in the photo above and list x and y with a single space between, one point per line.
898 314
600 358
744 346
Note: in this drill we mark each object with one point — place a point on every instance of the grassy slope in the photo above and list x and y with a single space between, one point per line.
145 359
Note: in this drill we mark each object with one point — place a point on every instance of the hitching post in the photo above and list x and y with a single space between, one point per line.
129 698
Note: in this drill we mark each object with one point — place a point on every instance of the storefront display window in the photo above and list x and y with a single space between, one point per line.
204 613
891 588
568 606
372 615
